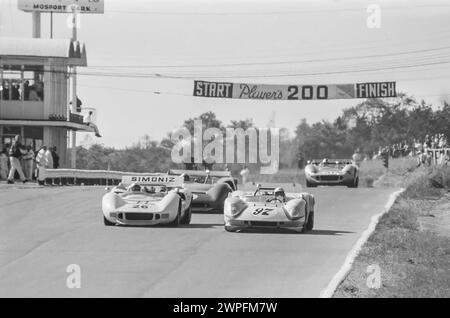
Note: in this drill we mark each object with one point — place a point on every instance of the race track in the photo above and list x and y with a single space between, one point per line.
43 230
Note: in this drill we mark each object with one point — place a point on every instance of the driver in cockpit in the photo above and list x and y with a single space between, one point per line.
150 189
280 194
135 187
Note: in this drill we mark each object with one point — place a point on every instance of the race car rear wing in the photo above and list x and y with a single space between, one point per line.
154 180
201 173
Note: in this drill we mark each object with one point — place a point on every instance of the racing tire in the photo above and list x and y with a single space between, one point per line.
186 219
221 206
230 229
310 185
354 184
309 225
177 220
106 222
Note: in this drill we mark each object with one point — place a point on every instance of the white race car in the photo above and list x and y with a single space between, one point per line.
148 200
269 208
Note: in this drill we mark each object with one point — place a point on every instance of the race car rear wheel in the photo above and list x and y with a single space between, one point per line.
106 222
186 219
309 225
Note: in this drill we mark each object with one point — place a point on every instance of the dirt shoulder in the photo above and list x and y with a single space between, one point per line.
408 255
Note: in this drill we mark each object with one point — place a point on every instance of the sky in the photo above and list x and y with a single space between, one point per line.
284 41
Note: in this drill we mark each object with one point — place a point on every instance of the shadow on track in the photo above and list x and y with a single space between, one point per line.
285 231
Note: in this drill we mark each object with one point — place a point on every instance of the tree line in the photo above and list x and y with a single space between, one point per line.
369 125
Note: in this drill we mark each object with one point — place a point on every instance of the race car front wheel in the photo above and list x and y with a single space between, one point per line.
106 222
354 184
186 219
310 185
230 229
177 220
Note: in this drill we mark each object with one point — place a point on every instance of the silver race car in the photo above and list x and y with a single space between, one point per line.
269 208
148 200
332 172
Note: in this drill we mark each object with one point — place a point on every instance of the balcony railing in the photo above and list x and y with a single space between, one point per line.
75 118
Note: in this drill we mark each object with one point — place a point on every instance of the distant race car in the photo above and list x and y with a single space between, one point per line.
148 200
209 188
270 208
332 172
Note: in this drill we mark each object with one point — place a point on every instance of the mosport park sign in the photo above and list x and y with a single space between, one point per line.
294 92
61 6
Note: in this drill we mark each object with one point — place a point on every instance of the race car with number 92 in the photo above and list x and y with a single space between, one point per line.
269 208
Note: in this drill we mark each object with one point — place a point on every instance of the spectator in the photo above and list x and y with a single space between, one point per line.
26 90
33 96
15 153
41 164
357 157
88 121
3 165
244 174
5 91
28 159
49 158
15 94
55 158
300 161
39 89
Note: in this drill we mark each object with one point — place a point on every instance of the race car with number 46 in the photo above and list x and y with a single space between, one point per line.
332 172
269 208
148 200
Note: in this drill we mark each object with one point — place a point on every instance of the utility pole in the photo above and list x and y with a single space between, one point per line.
36 24
51 25
73 110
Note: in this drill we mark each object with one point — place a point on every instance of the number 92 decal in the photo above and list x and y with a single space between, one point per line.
262 211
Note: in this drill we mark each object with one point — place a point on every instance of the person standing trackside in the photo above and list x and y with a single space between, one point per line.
357 157
3 165
244 174
28 159
55 158
49 158
15 152
41 163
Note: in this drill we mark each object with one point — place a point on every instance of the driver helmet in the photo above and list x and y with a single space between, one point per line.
279 194
150 189
185 177
325 160
135 187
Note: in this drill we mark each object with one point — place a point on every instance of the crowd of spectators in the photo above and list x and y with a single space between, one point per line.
13 91
431 147
18 160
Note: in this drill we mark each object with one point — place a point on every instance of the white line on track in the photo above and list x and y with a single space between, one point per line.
328 291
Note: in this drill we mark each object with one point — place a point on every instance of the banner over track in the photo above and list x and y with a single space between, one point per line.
294 92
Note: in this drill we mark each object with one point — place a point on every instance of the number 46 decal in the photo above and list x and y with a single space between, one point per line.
262 211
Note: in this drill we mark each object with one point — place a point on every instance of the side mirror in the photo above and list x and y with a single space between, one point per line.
107 189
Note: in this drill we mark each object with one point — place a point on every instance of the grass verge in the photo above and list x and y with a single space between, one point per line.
412 262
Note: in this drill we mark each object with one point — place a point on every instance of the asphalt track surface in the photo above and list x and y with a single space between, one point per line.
43 230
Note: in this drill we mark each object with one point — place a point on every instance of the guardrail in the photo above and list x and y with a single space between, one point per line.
85 177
